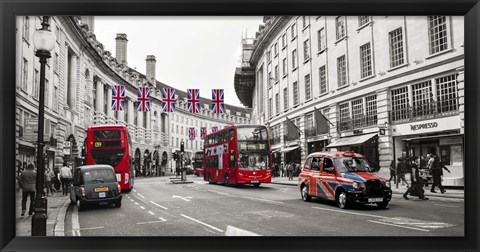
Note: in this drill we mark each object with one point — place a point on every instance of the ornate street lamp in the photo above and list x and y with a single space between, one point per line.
43 41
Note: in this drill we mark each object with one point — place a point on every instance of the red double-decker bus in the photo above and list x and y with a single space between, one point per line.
238 155
111 144
198 163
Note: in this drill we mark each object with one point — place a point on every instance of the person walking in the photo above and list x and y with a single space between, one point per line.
48 182
401 170
277 170
290 171
65 177
27 184
393 173
437 173
416 188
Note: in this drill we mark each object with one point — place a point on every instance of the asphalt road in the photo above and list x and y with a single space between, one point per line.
157 207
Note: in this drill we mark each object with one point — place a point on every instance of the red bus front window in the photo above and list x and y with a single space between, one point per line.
110 157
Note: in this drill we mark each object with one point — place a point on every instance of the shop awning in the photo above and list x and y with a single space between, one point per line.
275 150
289 149
352 140
431 137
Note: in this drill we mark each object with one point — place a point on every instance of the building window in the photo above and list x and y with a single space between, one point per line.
294 59
275 49
36 80
363 20
344 116
285 98
366 60
277 103
125 110
447 93
396 47
276 73
55 63
437 27
321 40
308 88
306 50
341 71
295 93
26 28
357 113
25 74
270 107
294 31
55 100
422 99
284 64
304 21
269 56
323 80
284 40
340 25
310 127
400 104
177 129
371 109
269 78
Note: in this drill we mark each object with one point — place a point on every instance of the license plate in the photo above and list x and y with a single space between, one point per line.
101 189
254 181
375 200
102 195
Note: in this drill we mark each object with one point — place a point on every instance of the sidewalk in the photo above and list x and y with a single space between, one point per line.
450 193
57 206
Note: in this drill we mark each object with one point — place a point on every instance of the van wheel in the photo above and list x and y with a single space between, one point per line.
80 206
304 193
342 200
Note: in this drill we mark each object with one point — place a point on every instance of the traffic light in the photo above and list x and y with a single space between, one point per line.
182 146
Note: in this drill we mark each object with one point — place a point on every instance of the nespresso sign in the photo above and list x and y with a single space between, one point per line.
415 127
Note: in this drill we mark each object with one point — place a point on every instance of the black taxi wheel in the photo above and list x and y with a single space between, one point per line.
382 205
304 193
80 205
118 204
342 200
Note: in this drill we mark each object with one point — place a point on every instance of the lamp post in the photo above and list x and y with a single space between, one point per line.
44 41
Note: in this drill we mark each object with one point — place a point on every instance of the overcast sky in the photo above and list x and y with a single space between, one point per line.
191 52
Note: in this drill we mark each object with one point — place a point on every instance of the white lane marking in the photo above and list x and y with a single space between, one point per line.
203 223
284 190
141 195
134 190
92 228
75 222
389 224
271 201
443 205
143 208
136 203
186 198
149 222
131 200
150 212
162 219
222 193
233 231
158 205
347 212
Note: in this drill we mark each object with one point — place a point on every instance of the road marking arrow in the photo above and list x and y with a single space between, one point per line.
186 198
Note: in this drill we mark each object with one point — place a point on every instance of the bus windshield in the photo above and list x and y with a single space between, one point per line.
106 134
349 164
254 133
253 161
110 157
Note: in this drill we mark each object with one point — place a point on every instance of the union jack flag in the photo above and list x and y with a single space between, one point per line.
203 132
191 133
118 97
193 100
217 101
214 129
168 99
143 99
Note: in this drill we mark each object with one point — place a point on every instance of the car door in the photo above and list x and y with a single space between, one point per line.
315 179
304 176
328 180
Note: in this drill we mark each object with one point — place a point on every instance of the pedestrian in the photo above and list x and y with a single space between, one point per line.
48 181
393 173
290 171
416 188
437 173
401 170
28 184
277 170
65 177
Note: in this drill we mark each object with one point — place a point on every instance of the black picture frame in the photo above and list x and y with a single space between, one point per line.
11 8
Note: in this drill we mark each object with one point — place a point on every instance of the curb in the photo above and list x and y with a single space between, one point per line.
394 192
59 227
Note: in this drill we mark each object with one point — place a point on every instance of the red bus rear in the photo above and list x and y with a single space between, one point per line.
238 155
111 144
198 163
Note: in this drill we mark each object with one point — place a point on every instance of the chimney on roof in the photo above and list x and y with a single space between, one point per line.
151 62
121 48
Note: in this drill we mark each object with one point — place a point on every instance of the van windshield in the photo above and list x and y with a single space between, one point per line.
351 164
99 176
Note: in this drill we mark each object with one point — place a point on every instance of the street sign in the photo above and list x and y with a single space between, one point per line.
30 131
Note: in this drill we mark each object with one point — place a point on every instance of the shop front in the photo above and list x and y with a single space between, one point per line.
441 137
316 146
292 155
366 145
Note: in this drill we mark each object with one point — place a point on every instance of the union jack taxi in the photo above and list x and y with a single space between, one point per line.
344 177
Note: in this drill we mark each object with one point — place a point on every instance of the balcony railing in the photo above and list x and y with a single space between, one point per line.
425 111
358 123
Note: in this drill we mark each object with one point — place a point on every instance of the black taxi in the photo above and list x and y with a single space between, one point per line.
95 184
344 177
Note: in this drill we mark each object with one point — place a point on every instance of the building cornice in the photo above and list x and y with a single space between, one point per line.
266 37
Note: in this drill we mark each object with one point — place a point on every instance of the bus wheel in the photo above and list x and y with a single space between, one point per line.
256 185
225 181
210 179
